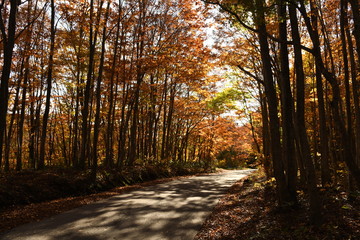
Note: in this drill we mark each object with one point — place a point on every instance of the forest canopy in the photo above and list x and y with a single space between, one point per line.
110 83
126 83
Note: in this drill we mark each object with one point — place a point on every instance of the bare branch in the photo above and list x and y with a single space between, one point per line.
250 74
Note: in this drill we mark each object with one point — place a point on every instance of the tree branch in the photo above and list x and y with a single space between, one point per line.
2 25
250 74
223 7
32 22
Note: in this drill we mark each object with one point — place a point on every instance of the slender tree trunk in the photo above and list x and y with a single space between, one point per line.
32 124
164 99
109 162
49 80
86 101
324 135
133 144
79 82
75 144
22 117
287 106
12 119
299 120
356 17
139 38
349 121
341 129
20 127
355 87
265 135
168 144
98 99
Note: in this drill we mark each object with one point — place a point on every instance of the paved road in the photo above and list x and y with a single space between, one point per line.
173 210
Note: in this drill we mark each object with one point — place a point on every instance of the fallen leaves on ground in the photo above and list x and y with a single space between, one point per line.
249 211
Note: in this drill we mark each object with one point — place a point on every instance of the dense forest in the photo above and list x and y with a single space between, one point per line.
117 84
304 55
111 83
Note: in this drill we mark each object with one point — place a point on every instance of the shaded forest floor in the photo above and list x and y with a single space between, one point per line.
249 211
33 195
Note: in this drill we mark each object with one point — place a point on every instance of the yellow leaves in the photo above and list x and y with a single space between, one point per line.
347 207
223 134
257 185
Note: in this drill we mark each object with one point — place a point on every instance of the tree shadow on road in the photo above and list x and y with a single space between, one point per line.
174 210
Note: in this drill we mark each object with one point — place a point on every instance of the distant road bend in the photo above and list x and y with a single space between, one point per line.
172 210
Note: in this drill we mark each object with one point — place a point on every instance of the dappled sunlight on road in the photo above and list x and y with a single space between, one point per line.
173 210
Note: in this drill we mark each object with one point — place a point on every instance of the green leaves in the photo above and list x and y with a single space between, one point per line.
225 100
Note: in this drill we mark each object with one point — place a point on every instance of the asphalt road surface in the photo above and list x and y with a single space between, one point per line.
172 210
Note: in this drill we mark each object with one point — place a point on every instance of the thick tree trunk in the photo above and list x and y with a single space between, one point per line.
270 92
8 49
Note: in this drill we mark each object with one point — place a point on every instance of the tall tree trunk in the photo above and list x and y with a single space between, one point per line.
79 82
98 99
299 120
49 80
12 119
265 134
164 100
270 92
8 49
22 117
168 144
349 121
341 129
355 86
86 101
324 135
139 38
356 18
109 160
32 132
315 201
123 129
133 141
287 107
